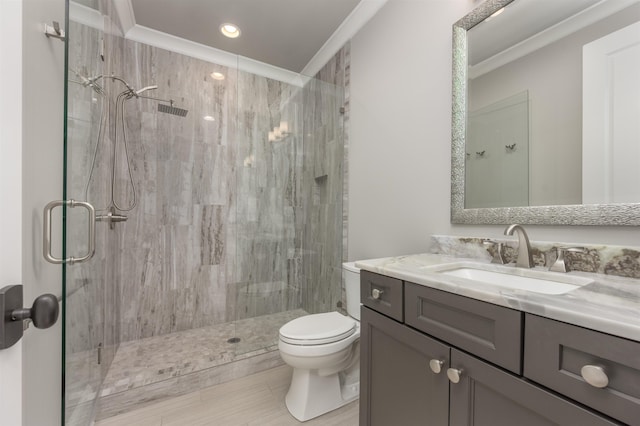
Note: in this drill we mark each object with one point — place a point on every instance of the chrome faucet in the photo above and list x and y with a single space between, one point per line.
525 260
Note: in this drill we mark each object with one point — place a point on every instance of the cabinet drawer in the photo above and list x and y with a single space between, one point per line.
555 353
382 294
491 332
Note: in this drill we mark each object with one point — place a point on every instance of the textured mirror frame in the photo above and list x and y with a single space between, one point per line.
587 214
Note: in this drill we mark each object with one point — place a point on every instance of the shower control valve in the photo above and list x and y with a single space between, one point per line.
111 217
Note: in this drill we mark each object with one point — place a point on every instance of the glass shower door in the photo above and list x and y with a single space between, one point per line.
289 217
88 287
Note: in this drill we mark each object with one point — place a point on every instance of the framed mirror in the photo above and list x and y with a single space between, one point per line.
546 113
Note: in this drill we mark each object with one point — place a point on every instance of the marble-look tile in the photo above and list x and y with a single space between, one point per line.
214 193
600 259
91 288
324 211
228 223
147 369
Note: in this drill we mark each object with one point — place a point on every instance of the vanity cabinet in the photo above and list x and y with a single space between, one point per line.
398 384
453 360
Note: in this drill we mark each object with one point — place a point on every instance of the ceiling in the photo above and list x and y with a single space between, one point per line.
283 33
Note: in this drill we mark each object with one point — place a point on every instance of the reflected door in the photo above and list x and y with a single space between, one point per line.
611 129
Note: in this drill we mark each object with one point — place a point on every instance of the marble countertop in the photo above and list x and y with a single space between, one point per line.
609 304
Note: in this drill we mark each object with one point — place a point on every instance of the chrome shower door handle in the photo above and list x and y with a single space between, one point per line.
46 234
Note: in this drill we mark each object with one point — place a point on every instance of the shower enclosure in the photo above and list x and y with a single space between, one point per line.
219 201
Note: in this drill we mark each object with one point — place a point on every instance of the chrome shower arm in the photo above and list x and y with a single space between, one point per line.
168 101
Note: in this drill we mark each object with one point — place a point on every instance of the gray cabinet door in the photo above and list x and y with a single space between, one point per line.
397 385
489 396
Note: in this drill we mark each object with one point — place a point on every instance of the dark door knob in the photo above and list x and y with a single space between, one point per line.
43 313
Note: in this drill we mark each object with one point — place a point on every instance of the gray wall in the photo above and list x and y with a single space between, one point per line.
401 134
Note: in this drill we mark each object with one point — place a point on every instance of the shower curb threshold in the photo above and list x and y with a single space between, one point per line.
132 399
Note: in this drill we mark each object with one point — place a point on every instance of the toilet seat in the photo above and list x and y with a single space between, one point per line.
318 329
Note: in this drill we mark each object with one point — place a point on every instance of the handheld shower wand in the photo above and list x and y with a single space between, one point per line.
144 89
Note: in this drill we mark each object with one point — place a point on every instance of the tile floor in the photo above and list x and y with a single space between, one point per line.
155 359
250 401
171 365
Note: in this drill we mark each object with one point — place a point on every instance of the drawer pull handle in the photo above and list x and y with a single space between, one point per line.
436 365
375 293
454 374
595 376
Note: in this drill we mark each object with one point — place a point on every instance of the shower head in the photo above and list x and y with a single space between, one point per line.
170 109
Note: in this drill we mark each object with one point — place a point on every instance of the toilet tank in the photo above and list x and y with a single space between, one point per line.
351 276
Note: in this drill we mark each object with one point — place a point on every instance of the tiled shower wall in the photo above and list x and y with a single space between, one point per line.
326 112
228 223
92 301
231 224
268 236
214 236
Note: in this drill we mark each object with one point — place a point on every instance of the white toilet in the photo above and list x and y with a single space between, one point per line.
324 351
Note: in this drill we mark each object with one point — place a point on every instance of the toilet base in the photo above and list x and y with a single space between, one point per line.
311 395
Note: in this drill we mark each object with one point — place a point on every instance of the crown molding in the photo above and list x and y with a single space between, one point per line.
357 19
86 16
126 17
172 43
552 34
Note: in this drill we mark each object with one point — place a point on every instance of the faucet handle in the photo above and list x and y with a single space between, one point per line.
498 255
560 265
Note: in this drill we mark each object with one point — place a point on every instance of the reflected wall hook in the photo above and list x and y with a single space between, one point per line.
54 31
510 148
480 154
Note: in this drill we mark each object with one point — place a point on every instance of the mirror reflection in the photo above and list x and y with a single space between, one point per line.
554 105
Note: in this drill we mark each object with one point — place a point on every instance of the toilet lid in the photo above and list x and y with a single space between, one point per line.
318 329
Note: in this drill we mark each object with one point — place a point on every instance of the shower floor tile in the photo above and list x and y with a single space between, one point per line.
155 359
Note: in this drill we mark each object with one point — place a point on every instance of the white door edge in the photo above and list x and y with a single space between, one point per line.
11 195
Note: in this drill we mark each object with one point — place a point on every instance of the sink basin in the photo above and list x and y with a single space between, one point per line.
514 278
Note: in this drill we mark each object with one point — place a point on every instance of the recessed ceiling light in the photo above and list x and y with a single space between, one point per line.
217 75
230 30
209 118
